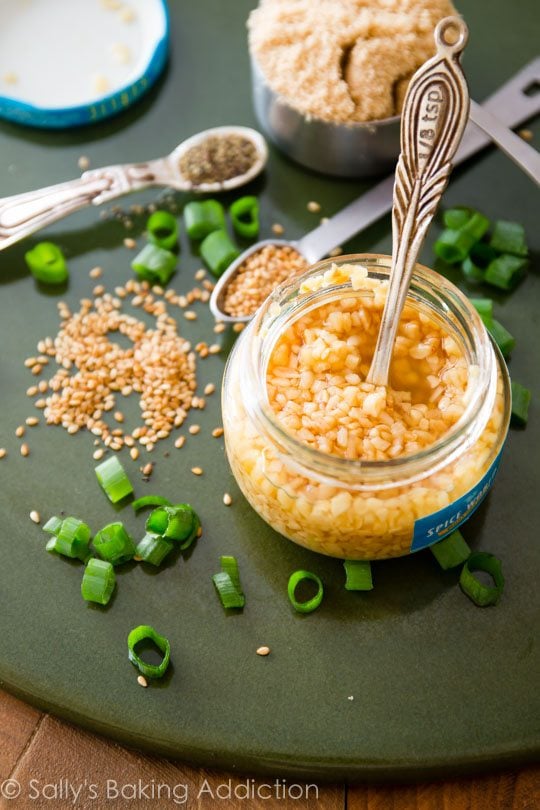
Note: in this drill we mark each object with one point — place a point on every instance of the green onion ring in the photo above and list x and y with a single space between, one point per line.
142 633
311 604
149 500
482 595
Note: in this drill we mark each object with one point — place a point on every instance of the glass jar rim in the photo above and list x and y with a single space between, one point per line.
474 338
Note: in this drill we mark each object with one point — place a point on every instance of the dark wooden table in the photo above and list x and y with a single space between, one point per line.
43 754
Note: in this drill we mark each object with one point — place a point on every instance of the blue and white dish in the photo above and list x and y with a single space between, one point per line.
66 63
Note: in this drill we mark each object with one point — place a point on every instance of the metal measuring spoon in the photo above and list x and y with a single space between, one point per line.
25 213
433 120
512 105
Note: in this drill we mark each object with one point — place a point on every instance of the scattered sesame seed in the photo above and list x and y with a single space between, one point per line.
32 421
137 558
100 83
134 453
40 403
526 134
43 386
19 431
209 388
263 650
30 361
127 15
141 680
95 272
25 450
99 289
314 207
37 369
194 429
10 77
219 328
32 391
197 470
199 532
337 251
324 220
278 229
227 500
119 416
189 315
130 243
3 452
181 440
239 327
217 432
147 469
83 163
200 274
351 697
35 516
215 348
99 453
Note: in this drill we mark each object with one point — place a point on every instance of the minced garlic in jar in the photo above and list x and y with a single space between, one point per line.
351 469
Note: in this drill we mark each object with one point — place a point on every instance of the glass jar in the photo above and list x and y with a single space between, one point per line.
355 509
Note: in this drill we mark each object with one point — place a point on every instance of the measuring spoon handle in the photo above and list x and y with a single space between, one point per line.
433 120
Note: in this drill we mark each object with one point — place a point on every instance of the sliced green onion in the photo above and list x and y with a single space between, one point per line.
46 262
456 218
53 525
154 264
484 307
204 217
245 217
509 237
172 522
180 525
146 633
521 398
482 595
451 551
502 337
230 566
149 500
98 581
194 533
228 593
218 251
162 230
476 226
72 538
310 604
114 544
153 549
358 575
453 246
113 479
157 521
476 263
505 271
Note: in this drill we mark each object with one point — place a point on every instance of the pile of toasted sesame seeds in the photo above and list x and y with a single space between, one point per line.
94 371
258 275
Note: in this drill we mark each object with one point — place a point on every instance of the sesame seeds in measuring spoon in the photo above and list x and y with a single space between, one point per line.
249 280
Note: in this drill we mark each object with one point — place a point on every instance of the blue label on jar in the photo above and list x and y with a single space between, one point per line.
434 527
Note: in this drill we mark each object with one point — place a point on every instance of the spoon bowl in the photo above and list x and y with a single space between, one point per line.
181 183
217 299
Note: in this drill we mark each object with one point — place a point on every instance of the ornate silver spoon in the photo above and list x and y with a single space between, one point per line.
433 120
23 214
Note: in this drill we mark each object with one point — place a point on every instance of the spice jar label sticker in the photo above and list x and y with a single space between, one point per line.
432 528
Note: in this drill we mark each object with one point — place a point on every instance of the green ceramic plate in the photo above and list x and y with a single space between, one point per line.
408 680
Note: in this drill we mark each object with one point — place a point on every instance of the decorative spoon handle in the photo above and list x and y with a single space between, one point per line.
433 119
